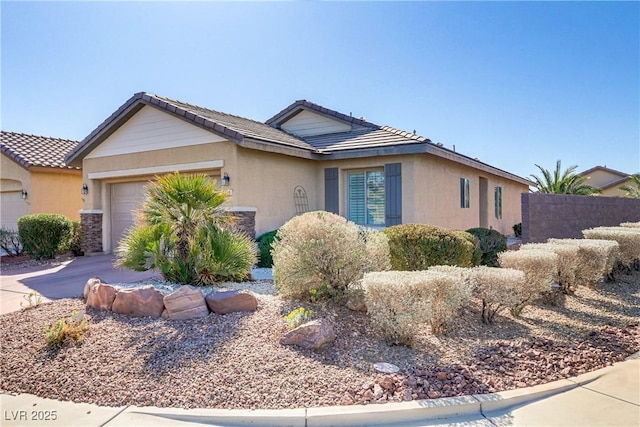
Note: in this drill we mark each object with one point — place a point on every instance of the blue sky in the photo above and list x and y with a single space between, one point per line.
512 83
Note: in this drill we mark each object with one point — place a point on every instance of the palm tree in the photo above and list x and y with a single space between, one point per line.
182 230
184 202
633 188
567 182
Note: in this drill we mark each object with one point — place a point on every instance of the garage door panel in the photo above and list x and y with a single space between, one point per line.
126 198
12 207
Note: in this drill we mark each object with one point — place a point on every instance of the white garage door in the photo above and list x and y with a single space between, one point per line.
12 207
125 199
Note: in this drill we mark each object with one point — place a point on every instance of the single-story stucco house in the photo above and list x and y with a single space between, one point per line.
304 158
35 179
607 180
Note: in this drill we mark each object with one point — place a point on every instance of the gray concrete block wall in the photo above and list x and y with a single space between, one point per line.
547 216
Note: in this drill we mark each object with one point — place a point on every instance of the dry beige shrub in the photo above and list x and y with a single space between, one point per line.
321 255
540 268
568 265
630 224
627 237
449 289
397 304
497 287
597 258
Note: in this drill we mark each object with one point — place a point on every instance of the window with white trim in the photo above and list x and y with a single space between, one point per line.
498 201
365 197
464 192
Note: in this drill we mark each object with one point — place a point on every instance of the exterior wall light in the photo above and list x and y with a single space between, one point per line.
225 180
23 195
85 189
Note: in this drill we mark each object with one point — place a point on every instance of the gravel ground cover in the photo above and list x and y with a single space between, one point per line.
236 360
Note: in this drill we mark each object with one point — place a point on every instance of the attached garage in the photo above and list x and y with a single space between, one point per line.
12 207
126 198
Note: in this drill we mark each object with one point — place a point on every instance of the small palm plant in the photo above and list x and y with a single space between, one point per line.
566 182
183 230
633 188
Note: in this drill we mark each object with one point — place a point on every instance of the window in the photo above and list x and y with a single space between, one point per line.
498 202
464 192
365 197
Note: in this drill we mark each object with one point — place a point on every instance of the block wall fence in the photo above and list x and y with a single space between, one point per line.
547 216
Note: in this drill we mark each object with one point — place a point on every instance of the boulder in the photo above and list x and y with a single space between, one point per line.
100 296
313 335
88 285
356 303
140 302
186 303
223 302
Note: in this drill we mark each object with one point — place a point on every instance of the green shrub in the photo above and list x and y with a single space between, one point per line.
297 317
540 268
517 230
420 246
491 243
497 287
67 331
10 242
320 255
75 246
265 260
597 258
397 304
44 236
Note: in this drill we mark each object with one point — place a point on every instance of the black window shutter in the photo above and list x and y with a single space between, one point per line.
393 194
331 200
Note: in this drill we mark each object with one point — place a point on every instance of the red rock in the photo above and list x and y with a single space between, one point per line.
139 302
186 303
88 285
101 296
387 383
442 376
223 302
433 394
313 335
368 395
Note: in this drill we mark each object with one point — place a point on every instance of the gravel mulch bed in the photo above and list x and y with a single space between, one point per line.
236 360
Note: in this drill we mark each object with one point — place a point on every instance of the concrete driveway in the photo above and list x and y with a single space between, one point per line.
62 281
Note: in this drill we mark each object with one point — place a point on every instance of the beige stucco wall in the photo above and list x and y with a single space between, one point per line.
615 191
266 181
56 191
50 190
438 196
10 172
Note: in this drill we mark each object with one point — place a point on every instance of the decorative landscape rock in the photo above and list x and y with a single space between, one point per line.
100 295
313 335
223 302
356 303
88 285
186 303
140 302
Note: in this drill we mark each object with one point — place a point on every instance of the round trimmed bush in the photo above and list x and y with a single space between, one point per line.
265 260
44 236
491 243
420 246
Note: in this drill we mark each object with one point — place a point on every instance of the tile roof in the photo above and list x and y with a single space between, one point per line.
303 104
33 150
369 137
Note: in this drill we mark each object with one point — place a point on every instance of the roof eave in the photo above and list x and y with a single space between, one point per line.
130 108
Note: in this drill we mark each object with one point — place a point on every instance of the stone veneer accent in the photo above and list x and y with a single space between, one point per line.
91 232
245 221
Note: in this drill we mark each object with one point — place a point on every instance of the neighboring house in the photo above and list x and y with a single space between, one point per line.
607 180
35 179
304 158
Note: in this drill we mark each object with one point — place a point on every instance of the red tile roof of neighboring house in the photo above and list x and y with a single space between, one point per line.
33 150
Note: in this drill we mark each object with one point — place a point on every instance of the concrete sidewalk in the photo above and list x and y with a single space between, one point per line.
607 397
